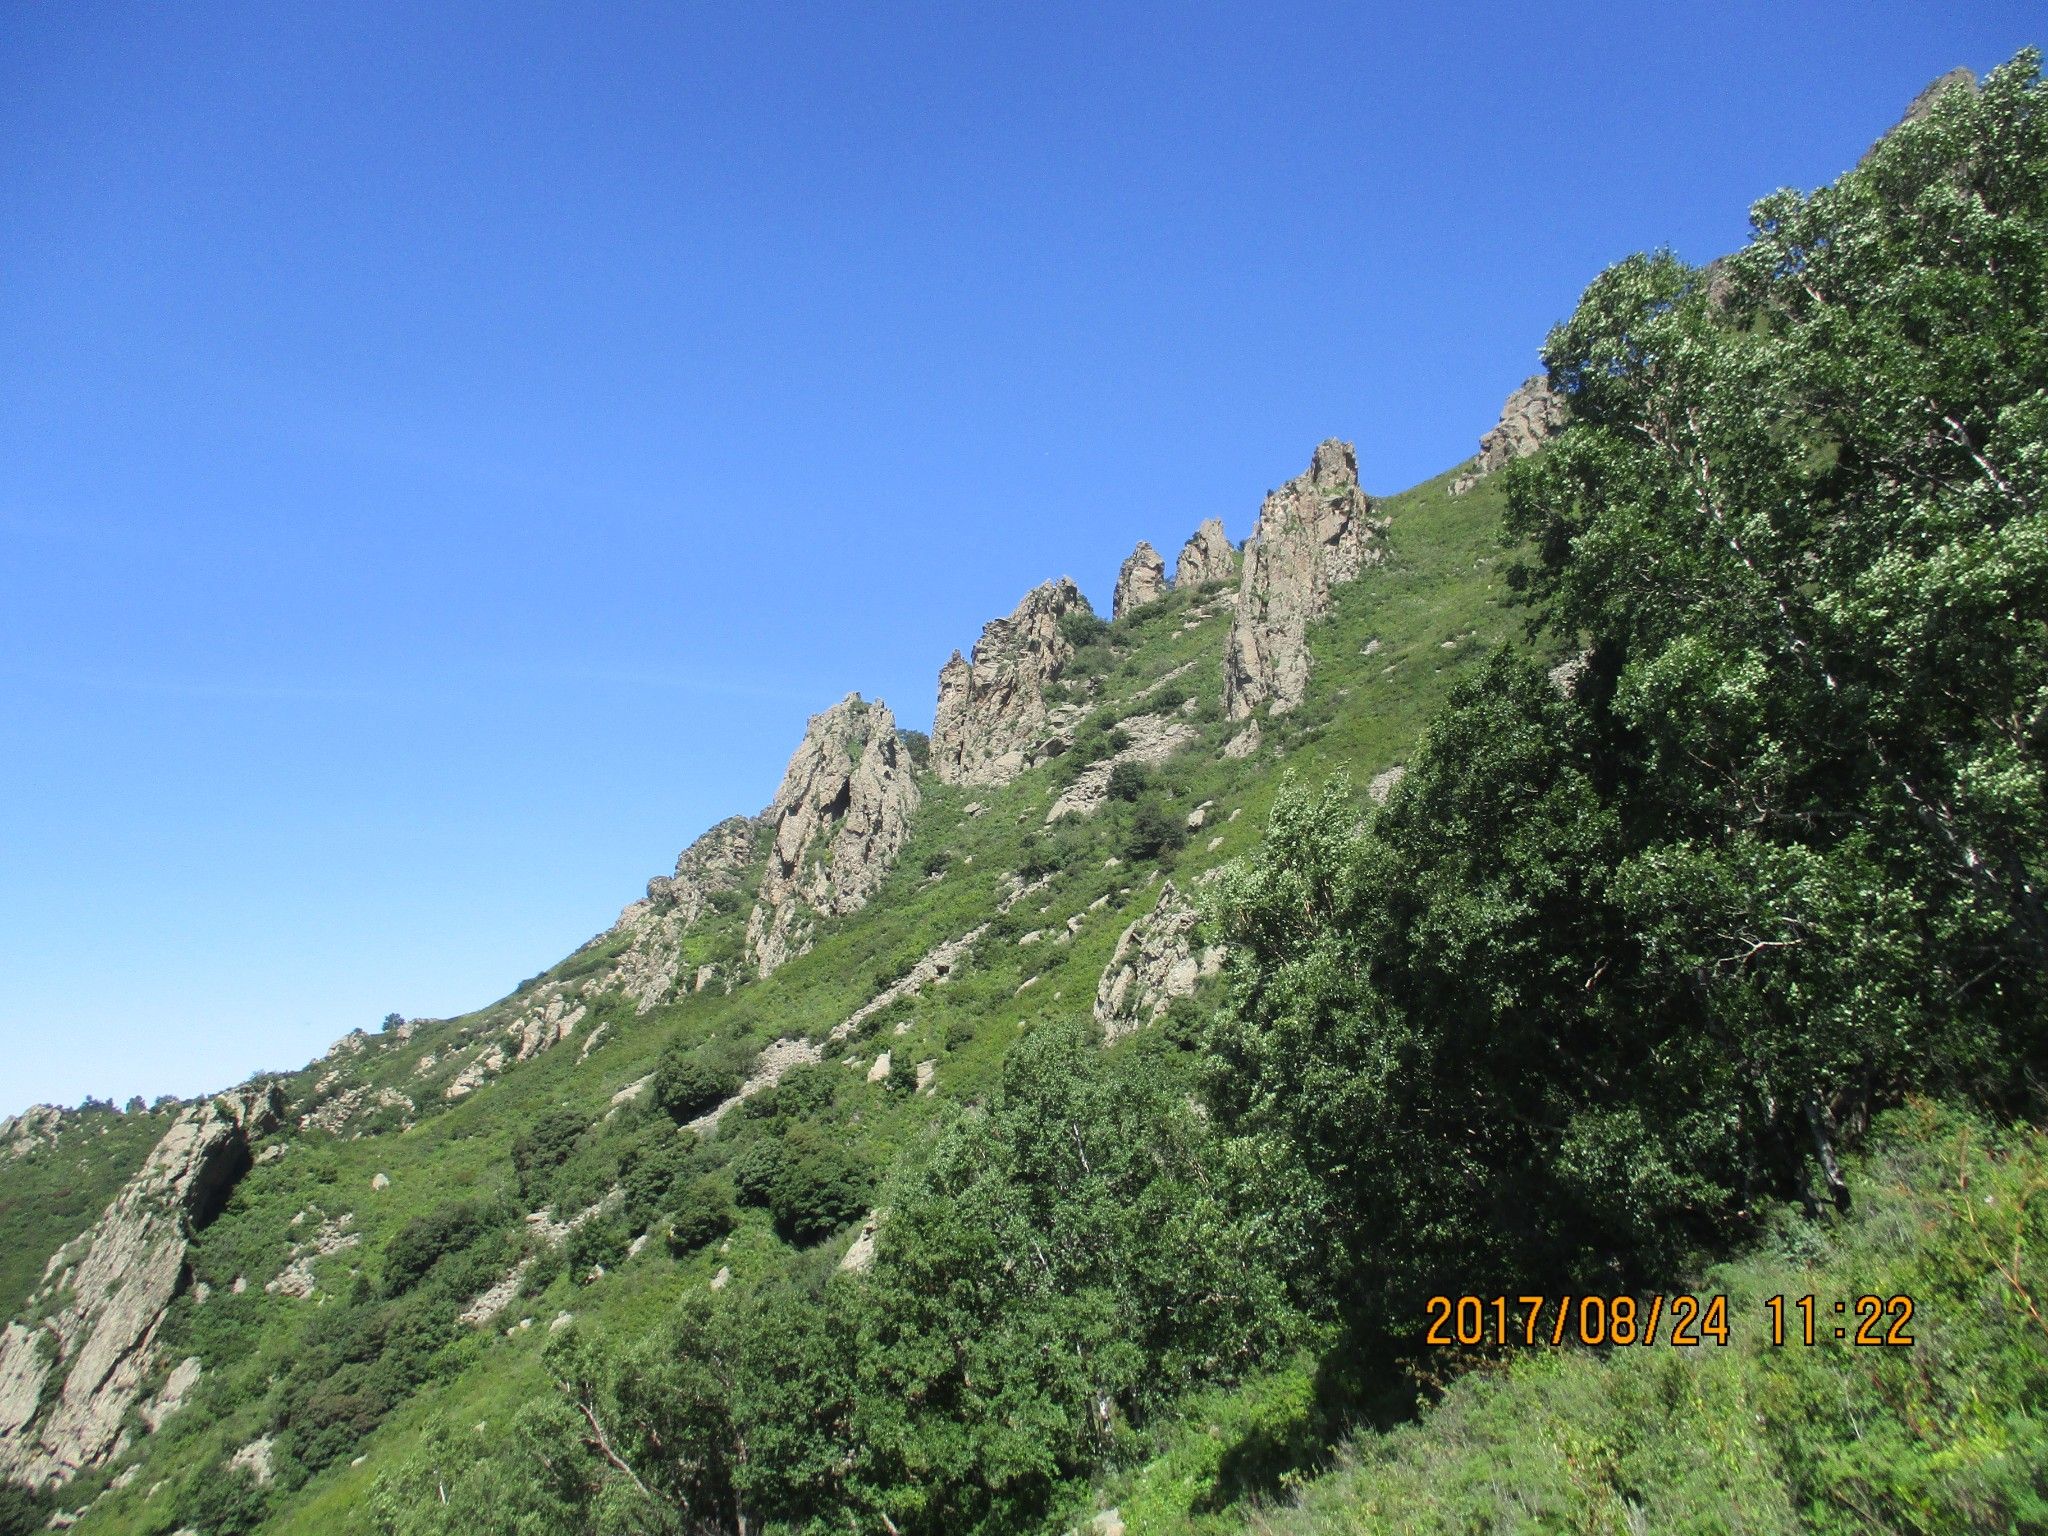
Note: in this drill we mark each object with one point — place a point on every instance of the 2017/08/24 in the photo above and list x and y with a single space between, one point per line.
1688 1321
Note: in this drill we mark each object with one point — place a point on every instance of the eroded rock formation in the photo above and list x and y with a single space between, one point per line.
37 1126
1156 960
1207 556
993 709
650 970
108 1290
1314 533
1142 580
840 819
1533 415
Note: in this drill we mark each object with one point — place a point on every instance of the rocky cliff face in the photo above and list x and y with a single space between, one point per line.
1207 556
1142 580
1532 416
1314 533
840 818
650 968
993 708
1156 960
107 1292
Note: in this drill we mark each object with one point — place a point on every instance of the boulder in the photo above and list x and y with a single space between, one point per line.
118 1280
840 819
1142 580
1206 557
992 709
1314 533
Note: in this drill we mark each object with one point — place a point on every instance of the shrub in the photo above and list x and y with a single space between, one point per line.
425 1240
817 1191
700 1212
599 1243
805 1092
687 1084
542 1271
1154 831
543 1147
21 1512
756 1168
1082 628
652 1175
222 1500
1128 780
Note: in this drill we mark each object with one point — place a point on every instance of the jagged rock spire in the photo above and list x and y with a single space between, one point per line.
840 818
1142 580
1315 532
1532 415
1207 556
992 708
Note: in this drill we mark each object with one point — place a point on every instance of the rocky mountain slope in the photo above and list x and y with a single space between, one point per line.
899 912
454 1251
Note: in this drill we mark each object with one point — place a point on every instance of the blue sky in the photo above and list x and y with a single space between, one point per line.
445 452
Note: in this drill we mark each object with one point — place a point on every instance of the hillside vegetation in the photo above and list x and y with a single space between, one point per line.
1070 1123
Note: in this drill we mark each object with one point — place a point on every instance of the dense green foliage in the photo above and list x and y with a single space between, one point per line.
1748 1438
1611 965
1608 991
687 1082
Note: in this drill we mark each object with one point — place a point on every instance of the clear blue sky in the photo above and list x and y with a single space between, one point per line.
445 452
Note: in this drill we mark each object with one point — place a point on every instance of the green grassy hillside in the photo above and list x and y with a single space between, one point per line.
1715 967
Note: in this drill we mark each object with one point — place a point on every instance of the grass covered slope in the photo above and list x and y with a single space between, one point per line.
1750 1437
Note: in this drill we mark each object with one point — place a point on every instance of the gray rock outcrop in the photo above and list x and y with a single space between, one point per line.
1207 556
1155 961
1533 415
651 968
1315 532
1152 739
1142 580
993 709
840 818
36 1126
108 1291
